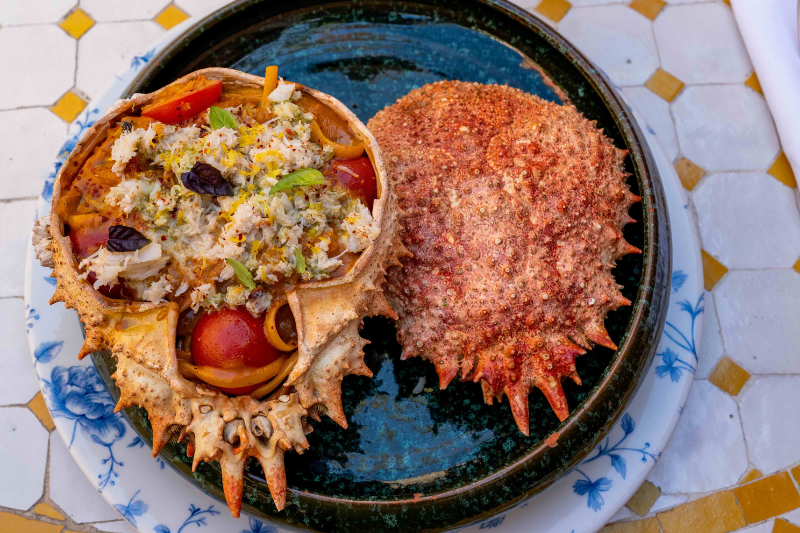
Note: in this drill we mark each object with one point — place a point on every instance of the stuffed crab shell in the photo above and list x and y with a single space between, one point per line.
224 237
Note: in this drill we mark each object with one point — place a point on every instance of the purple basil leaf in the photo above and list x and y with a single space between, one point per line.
206 179
125 239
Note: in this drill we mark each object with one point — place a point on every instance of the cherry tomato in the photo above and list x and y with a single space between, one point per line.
232 339
357 175
186 105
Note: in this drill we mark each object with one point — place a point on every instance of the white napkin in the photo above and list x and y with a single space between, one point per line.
769 30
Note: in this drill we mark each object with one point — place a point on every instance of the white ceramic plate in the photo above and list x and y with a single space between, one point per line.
153 498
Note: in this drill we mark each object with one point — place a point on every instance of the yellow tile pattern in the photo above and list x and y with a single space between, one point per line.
171 17
689 173
796 473
649 525
77 23
782 526
648 8
781 170
664 84
752 475
39 408
767 497
753 83
797 268
11 523
553 9
644 498
69 106
713 270
717 513
729 376
47 510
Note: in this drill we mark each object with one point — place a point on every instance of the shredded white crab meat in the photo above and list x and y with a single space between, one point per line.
109 266
263 231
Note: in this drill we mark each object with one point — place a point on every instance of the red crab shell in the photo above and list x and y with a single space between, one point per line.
513 209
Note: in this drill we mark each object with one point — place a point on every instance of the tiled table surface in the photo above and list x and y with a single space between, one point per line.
732 463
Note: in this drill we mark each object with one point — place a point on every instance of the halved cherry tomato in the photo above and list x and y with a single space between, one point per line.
232 339
357 175
185 105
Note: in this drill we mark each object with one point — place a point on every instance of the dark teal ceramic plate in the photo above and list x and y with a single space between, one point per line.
437 459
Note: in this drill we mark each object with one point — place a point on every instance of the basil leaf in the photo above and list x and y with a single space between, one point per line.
206 179
242 273
220 118
298 178
125 239
299 260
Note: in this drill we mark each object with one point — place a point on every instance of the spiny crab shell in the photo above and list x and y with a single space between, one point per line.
142 335
518 212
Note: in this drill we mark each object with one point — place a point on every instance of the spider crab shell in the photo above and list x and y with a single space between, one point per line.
141 335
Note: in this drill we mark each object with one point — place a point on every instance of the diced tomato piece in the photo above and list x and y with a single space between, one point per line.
86 240
186 105
357 175
232 339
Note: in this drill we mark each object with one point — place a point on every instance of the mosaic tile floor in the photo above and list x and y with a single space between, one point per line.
732 464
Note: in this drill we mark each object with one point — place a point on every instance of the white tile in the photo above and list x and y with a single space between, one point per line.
656 111
116 10
667 501
623 514
725 127
17 380
711 350
793 517
33 11
23 457
701 44
16 220
617 38
52 52
758 314
707 450
70 489
108 49
580 3
765 527
770 411
21 174
202 7
748 220
118 526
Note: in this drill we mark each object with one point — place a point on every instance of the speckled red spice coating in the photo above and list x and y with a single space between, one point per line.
513 211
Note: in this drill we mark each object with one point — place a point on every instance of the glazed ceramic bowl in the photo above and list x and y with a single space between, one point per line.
416 458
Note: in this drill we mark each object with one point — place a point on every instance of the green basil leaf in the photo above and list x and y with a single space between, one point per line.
298 178
299 260
220 118
242 273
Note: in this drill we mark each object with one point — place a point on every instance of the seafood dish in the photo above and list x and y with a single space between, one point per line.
224 237
513 209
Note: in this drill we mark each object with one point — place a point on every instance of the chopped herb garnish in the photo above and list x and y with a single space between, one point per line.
220 118
206 179
244 275
298 178
125 239
299 260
